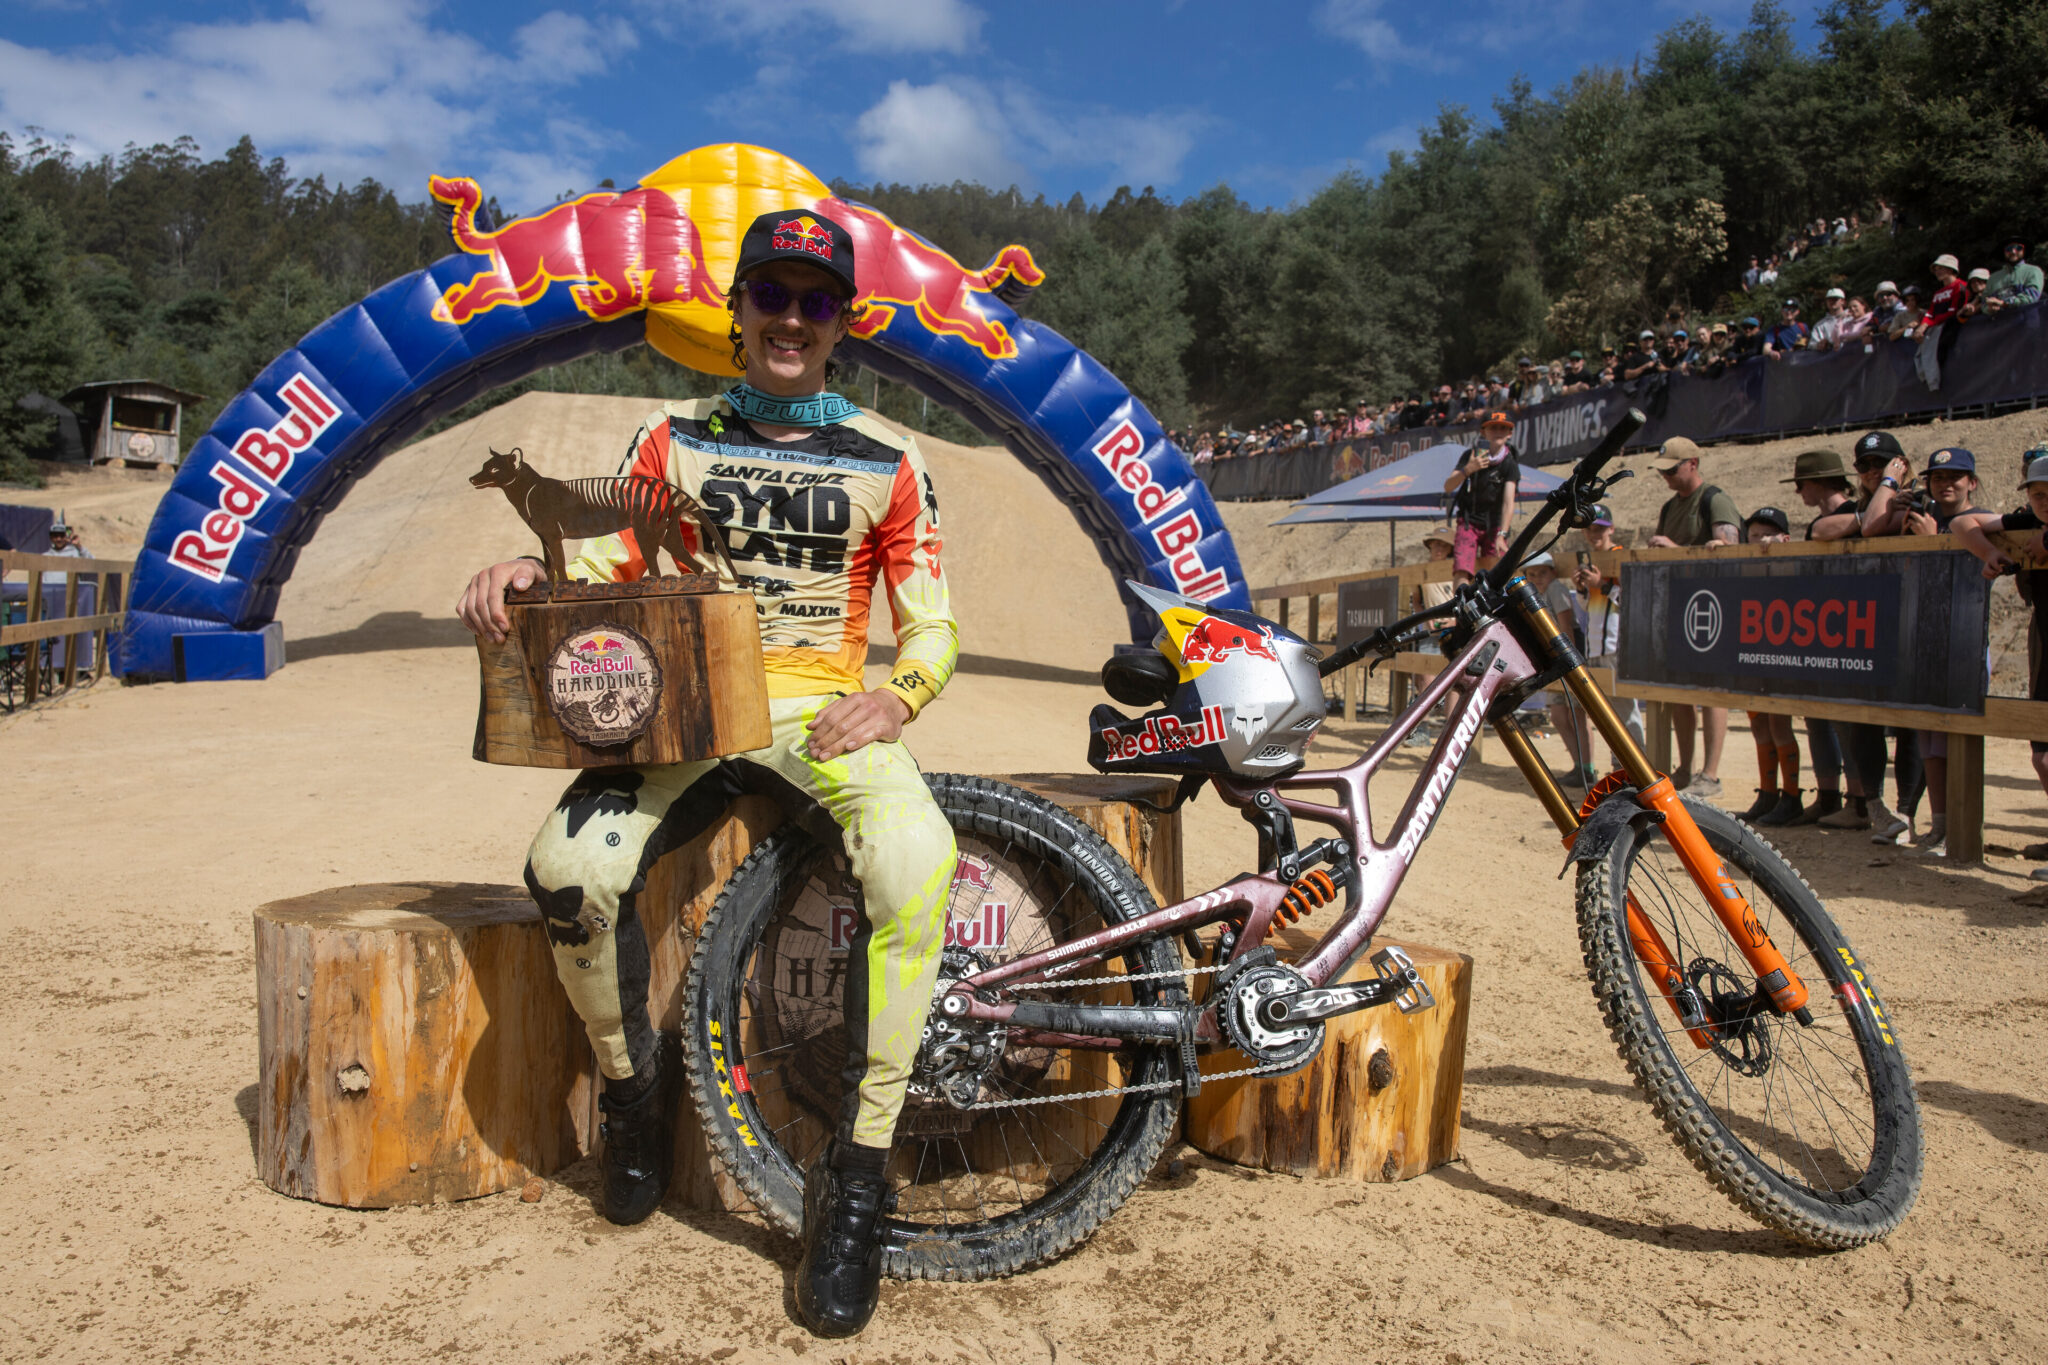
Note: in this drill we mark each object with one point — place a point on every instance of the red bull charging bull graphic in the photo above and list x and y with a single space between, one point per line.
616 268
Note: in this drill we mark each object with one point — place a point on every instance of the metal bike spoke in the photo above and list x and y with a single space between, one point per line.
1003 1132
974 1182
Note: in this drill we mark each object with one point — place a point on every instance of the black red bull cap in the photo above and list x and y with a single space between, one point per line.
797 235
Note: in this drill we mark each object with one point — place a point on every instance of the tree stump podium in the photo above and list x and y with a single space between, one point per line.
416 1046
682 886
1380 1102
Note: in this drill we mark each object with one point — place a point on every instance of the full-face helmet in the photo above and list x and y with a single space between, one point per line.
1239 696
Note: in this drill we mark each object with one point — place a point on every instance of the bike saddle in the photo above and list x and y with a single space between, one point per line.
1139 678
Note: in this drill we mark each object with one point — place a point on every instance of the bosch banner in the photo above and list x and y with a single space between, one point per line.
1893 629
1363 607
618 268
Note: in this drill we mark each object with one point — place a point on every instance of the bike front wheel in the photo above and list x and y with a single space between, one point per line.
1811 1127
1011 1153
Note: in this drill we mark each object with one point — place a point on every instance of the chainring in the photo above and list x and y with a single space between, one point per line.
1237 1014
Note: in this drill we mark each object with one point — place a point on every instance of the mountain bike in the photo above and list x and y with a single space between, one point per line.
1066 1028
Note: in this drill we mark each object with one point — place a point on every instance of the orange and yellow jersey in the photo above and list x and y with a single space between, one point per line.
811 524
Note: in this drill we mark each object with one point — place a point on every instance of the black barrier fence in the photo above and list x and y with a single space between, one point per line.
1885 629
1995 361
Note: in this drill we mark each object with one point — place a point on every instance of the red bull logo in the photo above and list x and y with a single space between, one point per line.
1212 640
619 250
898 269
973 873
803 234
971 922
1158 735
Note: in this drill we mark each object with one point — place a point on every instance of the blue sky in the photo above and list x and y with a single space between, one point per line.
534 99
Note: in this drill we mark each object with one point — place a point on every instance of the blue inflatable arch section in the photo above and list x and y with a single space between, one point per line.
284 453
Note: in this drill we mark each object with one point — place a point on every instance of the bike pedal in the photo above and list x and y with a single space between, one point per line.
1394 965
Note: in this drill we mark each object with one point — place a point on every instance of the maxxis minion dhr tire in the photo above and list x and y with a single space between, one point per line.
984 814
1671 1070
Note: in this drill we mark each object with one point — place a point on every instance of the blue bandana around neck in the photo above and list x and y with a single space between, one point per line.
812 410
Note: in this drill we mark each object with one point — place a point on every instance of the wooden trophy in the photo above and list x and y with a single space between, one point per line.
602 675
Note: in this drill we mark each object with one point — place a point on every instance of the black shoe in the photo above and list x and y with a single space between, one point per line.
640 1138
1788 809
1824 803
840 1277
1766 799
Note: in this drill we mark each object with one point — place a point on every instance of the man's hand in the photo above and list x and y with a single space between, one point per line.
1920 524
855 721
482 607
1997 564
1663 543
1586 579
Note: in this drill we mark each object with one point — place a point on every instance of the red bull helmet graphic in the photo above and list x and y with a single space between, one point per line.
1247 703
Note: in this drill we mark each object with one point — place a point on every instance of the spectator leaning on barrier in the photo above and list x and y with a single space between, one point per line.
1576 380
1749 344
1483 498
1882 472
1599 608
1974 305
1777 747
1639 361
1936 331
1907 320
2016 283
1827 332
1822 480
1887 306
2033 588
1541 571
1855 324
1696 514
1788 335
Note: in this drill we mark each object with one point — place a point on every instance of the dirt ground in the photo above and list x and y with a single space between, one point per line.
147 823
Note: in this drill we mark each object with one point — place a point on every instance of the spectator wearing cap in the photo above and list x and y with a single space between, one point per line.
1788 335
1823 482
1777 747
1937 329
1675 356
1599 613
1576 380
2016 283
1887 305
1639 361
1882 473
64 541
1904 322
1482 490
1951 483
1748 343
1979 278
2033 589
1827 332
1768 276
1696 514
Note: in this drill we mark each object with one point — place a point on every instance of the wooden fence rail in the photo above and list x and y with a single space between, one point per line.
2003 717
111 577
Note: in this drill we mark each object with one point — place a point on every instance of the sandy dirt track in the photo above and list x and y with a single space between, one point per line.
148 822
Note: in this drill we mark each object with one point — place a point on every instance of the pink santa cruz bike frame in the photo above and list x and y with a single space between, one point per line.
1491 662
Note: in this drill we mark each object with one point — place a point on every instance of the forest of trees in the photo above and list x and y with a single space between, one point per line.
1558 220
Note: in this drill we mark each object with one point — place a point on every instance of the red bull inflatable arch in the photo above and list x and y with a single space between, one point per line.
602 273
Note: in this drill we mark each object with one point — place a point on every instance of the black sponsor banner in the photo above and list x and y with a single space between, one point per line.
1994 360
1363 607
1884 629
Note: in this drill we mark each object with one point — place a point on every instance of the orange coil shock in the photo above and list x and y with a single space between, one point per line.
1313 889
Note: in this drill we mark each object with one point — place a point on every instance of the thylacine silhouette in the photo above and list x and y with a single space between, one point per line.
560 510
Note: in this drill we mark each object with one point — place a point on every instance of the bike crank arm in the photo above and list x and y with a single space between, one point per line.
1398 983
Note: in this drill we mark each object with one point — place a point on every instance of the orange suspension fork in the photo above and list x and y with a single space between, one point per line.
1773 973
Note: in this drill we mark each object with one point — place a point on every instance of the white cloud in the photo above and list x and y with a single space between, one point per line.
1361 23
938 133
353 88
931 134
860 25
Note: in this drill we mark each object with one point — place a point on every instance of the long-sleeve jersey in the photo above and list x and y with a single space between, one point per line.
811 525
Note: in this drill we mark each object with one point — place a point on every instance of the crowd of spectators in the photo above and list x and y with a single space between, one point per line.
1927 318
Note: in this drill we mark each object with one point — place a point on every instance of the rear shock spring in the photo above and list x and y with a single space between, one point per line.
1316 888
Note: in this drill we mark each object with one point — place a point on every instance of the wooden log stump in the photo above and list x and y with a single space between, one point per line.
1380 1102
682 886
415 1046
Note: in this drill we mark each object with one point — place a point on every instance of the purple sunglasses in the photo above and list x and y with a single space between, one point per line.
819 305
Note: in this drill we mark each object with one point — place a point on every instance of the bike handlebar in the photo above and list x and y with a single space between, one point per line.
1566 494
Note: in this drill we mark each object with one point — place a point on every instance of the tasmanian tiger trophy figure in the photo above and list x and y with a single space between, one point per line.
560 510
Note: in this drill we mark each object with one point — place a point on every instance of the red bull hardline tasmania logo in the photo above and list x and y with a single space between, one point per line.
604 684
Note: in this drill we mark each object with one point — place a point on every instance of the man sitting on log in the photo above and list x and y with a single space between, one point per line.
815 501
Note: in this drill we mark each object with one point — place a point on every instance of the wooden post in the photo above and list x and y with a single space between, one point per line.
1285 603
70 641
1380 1102
1965 841
1657 730
1315 618
31 684
415 1046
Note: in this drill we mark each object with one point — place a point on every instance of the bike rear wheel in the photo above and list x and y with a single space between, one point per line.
1813 1129
981 1192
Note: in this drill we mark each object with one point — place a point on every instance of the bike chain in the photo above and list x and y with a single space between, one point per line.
1127 1089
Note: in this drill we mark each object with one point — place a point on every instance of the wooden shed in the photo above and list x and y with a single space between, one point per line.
134 421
